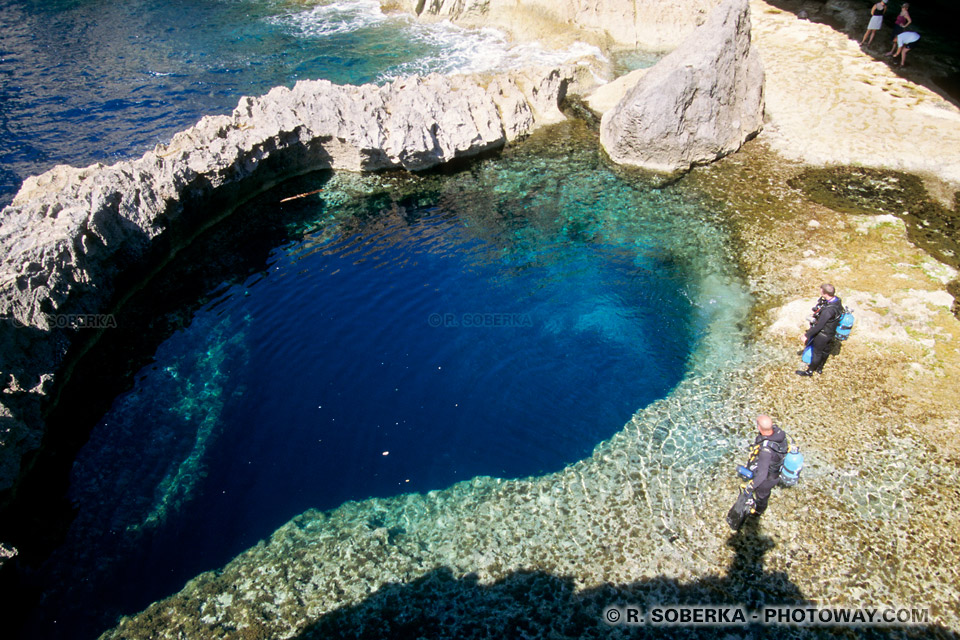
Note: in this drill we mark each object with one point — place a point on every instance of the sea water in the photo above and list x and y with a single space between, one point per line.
501 320
85 81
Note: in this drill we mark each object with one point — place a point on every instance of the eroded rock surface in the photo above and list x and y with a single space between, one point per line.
696 105
65 226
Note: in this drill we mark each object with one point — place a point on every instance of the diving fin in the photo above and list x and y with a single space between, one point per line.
740 510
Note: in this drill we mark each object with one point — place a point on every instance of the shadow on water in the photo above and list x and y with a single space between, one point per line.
535 604
934 63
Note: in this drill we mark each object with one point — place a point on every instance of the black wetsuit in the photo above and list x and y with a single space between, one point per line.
766 460
821 333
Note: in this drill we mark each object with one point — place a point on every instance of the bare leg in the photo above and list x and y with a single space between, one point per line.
903 56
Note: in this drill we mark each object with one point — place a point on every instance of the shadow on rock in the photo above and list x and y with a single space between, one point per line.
535 604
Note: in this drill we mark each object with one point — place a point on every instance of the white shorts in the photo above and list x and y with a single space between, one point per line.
875 23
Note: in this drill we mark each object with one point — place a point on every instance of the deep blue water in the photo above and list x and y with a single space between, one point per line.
503 324
97 81
407 354
503 327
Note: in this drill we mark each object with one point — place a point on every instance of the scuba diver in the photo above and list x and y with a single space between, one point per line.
826 317
763 468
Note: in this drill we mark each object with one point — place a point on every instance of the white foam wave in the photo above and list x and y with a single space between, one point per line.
458 50
448 48
335 18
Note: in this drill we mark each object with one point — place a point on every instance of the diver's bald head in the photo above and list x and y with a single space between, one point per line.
765 424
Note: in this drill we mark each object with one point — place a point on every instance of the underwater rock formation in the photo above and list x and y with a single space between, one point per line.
71 234
698 104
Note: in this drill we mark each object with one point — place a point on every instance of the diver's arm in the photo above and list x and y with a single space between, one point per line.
763 468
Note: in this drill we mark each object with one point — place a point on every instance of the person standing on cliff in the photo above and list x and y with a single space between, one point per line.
826 317
876 21
903 20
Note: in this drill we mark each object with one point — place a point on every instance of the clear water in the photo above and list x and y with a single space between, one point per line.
624 62
498 321
501 321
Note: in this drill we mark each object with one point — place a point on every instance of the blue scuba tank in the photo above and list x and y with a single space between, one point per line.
792 466
846 325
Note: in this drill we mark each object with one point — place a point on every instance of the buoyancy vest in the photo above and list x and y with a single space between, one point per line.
778 450
836 307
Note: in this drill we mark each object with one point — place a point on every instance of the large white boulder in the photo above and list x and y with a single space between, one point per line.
698 104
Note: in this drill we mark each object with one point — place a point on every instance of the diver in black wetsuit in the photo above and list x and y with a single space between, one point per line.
826 317
766 460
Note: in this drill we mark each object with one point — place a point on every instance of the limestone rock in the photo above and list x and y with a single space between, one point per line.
652 24
607 96
698 104
6 553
